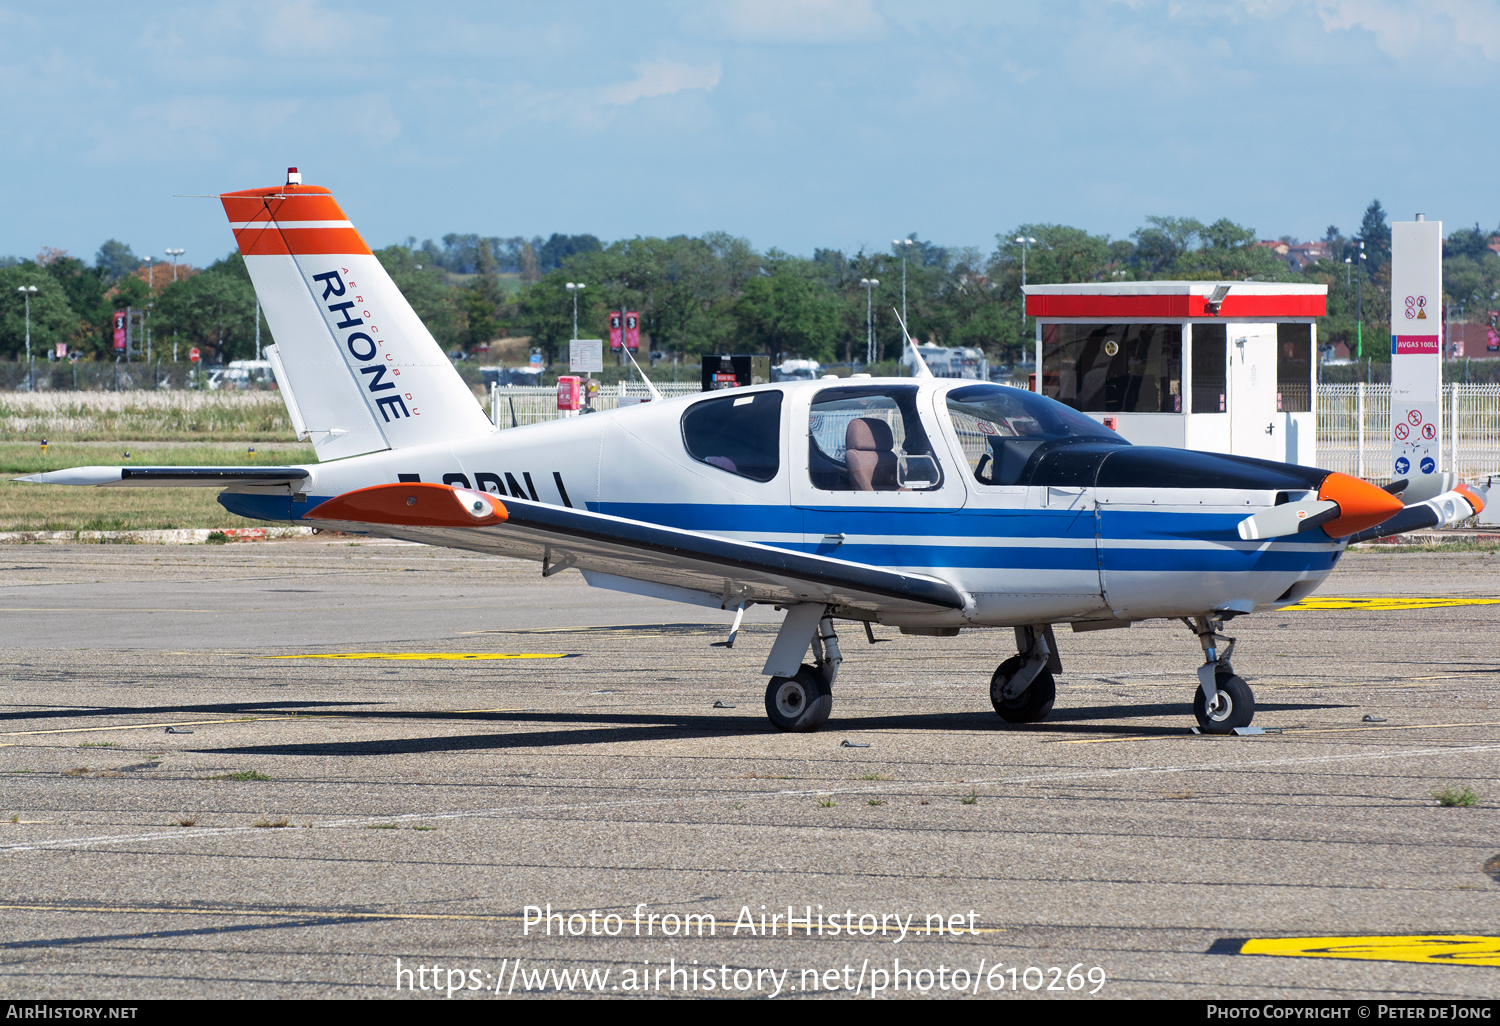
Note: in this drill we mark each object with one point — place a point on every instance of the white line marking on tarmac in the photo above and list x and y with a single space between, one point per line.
186 832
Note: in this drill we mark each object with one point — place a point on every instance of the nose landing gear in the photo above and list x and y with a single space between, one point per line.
1223 701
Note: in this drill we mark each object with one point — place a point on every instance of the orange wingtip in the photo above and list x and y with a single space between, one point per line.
1361 504
412 505
1471 496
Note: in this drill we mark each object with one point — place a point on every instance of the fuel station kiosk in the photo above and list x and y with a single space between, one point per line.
1218 366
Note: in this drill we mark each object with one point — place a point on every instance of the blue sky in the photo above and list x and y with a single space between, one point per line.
840 123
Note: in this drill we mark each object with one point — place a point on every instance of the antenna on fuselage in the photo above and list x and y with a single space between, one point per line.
649 387
923 371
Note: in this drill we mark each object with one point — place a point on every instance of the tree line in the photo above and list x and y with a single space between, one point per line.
716 294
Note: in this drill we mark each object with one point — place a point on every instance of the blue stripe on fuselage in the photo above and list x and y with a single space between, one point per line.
928 531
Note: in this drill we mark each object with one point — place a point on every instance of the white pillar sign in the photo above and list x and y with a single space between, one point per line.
1416 353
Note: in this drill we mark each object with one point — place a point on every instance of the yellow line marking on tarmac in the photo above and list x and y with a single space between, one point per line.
1283 731
1444 949
418 656
479 917
1396 726
1385 603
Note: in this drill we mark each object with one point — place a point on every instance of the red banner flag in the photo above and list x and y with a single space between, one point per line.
615 332
632 330
120 330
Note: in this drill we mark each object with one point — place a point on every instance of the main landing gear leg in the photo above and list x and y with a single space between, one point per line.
800 703
1224 701
1023 688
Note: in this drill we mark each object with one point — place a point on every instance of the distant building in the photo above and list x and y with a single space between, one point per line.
1473 341
1298 255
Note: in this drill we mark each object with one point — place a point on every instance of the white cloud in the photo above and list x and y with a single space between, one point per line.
1412 30
303 28
662 78
792 21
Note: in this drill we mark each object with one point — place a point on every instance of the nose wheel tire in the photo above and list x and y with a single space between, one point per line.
1032 705
1234 705
799 704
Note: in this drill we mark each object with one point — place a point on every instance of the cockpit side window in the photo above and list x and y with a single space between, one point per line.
739 434
870 439
1001 429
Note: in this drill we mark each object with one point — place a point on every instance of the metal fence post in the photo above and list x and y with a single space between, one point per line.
1359 461
1453 427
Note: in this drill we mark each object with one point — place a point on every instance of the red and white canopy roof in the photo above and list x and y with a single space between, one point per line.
1175 300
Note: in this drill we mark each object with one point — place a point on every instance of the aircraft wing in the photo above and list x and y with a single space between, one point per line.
684 565
170 477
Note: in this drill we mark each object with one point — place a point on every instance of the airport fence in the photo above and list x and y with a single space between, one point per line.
1353 419
1354 429
519 405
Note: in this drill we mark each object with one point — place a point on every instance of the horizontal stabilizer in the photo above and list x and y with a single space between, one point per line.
170 477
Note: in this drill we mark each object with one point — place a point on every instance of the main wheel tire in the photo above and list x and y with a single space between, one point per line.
1032 705
1234 705
799 704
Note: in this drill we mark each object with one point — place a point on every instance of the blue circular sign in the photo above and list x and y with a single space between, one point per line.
1402 466
1428 466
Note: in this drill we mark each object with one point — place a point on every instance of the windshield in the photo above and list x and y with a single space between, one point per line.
1001 428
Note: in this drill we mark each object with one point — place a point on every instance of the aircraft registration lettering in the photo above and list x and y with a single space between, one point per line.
495 484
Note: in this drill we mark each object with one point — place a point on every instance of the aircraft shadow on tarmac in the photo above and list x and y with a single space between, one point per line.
616 728
205 931
218 709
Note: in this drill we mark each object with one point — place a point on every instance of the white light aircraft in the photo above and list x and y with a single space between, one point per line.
931 505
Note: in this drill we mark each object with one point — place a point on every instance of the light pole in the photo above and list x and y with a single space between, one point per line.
905 245
151 273
1359 303
27 291
575 287
174 254
1026 242
869 285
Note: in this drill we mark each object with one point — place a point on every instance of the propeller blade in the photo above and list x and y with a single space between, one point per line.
1288 518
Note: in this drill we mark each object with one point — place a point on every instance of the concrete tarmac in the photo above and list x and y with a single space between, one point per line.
310 821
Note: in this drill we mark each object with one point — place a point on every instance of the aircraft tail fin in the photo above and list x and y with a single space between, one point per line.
366 373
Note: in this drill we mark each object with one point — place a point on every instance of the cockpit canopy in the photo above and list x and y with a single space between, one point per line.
1002 430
